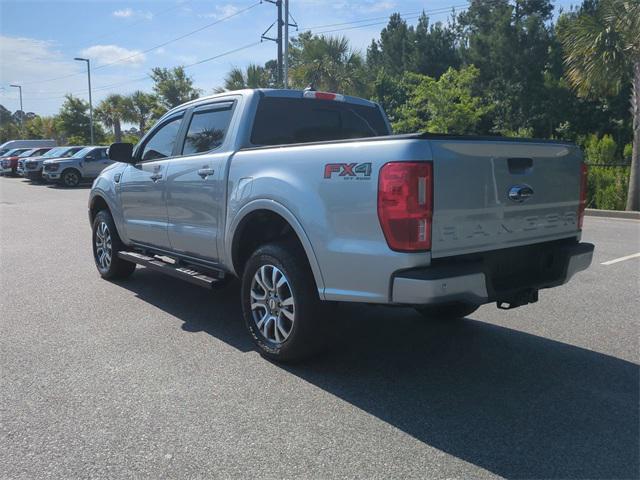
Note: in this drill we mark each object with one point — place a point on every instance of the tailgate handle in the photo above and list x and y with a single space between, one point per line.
520 166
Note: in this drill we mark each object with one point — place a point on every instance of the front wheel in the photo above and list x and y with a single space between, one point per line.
70 178
280 303
447 311
106 245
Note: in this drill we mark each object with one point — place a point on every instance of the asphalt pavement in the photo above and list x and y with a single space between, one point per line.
155 378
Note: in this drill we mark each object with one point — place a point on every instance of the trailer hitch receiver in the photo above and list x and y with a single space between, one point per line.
517 299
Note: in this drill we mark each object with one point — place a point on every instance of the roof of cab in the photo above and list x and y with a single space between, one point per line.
270 92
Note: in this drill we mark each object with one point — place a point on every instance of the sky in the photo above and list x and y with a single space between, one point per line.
125 39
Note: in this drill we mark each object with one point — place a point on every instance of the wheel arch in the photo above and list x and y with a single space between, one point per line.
98 202
245 235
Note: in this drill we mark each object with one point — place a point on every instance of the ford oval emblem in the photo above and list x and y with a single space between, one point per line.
519 193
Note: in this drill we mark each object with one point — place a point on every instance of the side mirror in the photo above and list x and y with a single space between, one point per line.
121 152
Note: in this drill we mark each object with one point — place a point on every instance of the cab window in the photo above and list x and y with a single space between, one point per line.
208 128
162 141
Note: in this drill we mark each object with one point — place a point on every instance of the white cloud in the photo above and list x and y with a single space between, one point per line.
371 7
112 53
47 74
131 13
124 13
222 11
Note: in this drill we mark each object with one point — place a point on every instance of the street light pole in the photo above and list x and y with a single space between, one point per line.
19 87
90 103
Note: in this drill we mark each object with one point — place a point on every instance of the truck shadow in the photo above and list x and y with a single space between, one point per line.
516 404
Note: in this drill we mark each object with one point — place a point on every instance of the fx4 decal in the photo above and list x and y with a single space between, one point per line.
348 171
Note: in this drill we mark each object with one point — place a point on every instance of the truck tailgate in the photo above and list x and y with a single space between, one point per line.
492 194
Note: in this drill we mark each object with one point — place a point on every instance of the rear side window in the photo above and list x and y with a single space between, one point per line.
207 129
295 120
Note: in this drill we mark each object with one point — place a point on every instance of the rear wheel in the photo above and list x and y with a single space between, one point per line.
106 245
70 178
447 311
280 303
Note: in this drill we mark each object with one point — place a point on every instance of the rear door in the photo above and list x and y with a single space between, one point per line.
195 181
498 194
143 185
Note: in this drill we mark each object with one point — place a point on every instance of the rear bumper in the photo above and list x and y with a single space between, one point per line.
495 276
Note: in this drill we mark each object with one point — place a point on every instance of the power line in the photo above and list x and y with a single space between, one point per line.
220 20
193 32
145 77
405 15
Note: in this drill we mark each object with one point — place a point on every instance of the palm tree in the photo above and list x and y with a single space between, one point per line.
254 76
602 55
111 112
139 108
328 63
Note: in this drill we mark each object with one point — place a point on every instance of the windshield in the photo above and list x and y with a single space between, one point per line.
28 153
55 152
82 153
71 152
3 151
15 151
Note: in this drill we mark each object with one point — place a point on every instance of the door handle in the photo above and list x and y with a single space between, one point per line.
156 176
205 172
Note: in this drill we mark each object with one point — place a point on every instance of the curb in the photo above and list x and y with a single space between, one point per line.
592 212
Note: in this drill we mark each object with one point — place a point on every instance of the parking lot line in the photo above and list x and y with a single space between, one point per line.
621 259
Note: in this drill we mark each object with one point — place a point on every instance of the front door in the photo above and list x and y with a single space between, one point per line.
95 161
143 186
195 182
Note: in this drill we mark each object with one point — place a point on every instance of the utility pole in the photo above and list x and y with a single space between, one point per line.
278 39
19 87
90 103
286 44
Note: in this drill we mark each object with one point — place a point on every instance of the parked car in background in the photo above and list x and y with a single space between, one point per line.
10 163
13 152
13 144
32 167
307 197
86 164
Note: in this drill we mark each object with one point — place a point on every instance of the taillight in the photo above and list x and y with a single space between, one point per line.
405 205
584 173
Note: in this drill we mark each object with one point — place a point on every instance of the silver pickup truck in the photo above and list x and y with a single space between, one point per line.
308 199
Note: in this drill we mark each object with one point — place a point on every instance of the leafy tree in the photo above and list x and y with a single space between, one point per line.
435 48
112 111
509 44
173 86
9 127
447 105
391 93
139 107
328 63
602 54
73 121
395 49
43 127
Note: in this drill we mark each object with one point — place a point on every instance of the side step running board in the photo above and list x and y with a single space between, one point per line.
175 270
